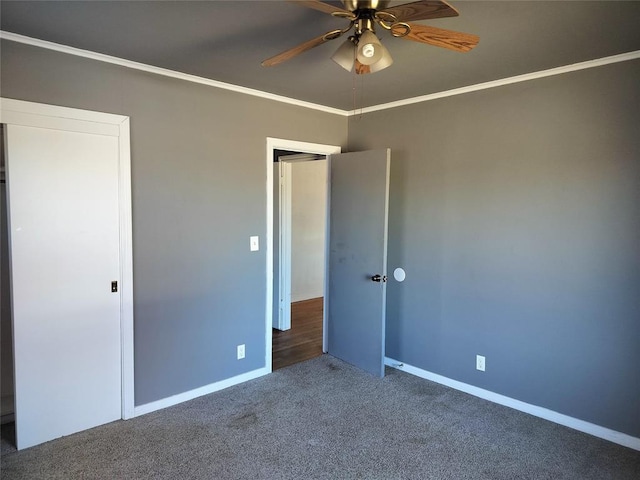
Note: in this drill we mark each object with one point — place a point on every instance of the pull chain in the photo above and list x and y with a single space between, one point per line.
354 88
353 83
361 95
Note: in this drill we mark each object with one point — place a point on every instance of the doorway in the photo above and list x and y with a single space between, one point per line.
300 218
299 332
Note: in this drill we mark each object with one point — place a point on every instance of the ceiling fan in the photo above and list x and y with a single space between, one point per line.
362 50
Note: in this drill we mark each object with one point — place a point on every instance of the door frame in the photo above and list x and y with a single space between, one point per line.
18 112
274 144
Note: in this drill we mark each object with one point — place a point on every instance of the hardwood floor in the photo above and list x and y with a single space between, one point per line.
304 340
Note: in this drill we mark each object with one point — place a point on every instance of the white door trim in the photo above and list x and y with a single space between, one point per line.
272 145
284 318
17 112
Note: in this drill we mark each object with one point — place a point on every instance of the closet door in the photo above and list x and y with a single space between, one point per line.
64 234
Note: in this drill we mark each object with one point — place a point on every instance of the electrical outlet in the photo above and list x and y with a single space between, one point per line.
240 351
480 363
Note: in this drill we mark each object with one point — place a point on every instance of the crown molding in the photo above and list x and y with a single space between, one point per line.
623 57
14 37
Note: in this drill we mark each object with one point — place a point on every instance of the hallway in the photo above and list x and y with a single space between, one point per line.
304 340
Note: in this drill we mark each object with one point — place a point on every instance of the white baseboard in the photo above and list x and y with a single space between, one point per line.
571 422
198 392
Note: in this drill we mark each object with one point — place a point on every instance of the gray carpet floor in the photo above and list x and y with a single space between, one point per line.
323 419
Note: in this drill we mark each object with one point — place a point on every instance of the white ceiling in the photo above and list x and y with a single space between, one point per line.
227 40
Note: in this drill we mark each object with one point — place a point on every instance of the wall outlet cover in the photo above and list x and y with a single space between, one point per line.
480 363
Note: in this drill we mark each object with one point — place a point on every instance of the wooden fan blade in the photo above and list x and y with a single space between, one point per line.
439 37
321 6
423 10
303 47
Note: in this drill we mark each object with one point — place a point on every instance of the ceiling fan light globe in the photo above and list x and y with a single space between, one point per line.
345 55
385 61
369 48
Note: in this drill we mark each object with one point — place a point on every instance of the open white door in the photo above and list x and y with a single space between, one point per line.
283 322
359 206
65 229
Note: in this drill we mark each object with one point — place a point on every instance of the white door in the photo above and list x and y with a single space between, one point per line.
63 224
284 255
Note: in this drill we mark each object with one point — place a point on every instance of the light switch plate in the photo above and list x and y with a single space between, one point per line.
254 243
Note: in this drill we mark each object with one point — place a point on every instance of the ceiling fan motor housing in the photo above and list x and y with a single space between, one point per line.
363 24
354 5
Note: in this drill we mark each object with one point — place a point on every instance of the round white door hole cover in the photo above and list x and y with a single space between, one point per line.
399 274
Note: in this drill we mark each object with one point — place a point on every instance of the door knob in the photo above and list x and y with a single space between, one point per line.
379 278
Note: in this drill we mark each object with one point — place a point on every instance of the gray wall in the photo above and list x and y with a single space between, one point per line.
199 179
516 214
